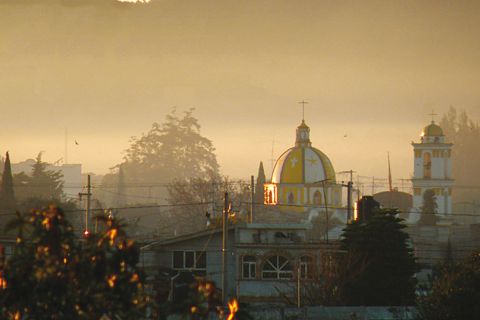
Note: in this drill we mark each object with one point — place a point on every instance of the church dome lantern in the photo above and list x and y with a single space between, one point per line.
432 130
432 133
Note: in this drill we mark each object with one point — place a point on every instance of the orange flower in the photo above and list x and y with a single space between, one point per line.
134 278
233 306
111 281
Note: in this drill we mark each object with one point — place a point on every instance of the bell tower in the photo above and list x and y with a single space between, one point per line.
433 169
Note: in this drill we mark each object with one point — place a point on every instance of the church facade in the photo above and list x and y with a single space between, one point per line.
303 177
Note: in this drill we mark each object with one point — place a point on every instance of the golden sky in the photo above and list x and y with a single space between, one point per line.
371 70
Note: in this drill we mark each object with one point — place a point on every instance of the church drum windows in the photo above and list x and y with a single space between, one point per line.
317 198
277 268
291 198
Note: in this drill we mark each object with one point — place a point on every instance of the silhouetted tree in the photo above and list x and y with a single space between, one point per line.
43 183
7 195
464 133
455 292
172 150
429 208
381 245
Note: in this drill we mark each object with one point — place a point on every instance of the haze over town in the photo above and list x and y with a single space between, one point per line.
107 70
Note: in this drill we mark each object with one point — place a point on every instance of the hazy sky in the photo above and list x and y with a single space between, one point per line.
371 70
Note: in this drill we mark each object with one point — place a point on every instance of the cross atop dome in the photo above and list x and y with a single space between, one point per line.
433 114
303 103
303 131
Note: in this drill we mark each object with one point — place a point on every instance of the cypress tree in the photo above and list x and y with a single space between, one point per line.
259 185
384 263
7 195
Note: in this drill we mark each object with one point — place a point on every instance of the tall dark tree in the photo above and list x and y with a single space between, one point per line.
464 133
259 186
429 208
455 292
388 264
7 194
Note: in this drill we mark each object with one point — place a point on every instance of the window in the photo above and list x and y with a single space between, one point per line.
189 260
417 191
277 267
201 260
306 267
418 153
317 198
270 194
249 264
427 165
291 198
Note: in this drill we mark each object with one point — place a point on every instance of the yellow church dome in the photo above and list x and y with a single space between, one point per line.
432 130
303 164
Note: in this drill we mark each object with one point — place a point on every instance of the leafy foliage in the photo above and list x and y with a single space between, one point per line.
201 196
455 292
174 149
380 247
53 275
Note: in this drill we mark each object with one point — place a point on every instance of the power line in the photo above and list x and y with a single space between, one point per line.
131 207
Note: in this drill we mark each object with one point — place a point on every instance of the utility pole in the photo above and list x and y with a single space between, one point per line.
390 187
224 248
87 211
299 302
349 186
349 200
252 195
